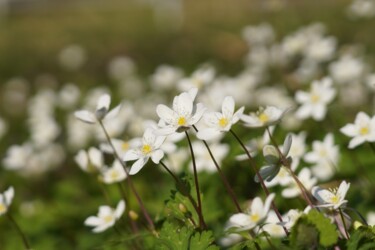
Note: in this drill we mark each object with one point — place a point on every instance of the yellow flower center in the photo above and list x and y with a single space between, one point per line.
223 122
314 98
108 218
335 199
181 121
254 217
323 153
125 146
2 208
146 149
263 117
114 175
364 130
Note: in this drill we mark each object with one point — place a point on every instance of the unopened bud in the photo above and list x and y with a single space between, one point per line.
357 224
182 208
133 215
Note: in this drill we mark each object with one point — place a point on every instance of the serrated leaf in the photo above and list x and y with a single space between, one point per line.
202 241
173 236
362 238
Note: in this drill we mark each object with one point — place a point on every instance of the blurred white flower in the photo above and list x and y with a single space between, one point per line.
183 116
166 77
361 9
256 214
114 174
256 145
101 112
203 159
362 130
321 49
324 156
68 96
263 117
220 122
106 217
72 57
121 67
347 70
371 218
292 189
273 226
199 78
314 103
90 160
17 156
150 148
5 200
259 35
3 127
334 198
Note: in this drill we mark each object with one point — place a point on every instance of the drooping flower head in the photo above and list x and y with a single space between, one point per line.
6 199
106 217
182 116
220 122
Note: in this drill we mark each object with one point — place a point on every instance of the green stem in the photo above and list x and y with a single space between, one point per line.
222 176
130 182
23 236
202 224
263 185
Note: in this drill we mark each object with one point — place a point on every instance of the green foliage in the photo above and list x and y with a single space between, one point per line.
363 238
174 236
312 230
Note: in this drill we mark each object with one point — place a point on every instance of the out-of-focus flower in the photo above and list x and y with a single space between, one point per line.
182 117
362 130
347 69
199 78
106 217
259 35
101 112
371 218
220 122
324 156
17 156
91 160
256 145
3 127
165 77
314 103
114 174
68 96
150 148
361 9
334 198
253 216
273 226
292 190
120 68
263 117
120 146
72 57
5 200
321 49
203 159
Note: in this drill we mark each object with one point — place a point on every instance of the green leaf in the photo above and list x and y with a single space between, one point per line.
202 241
362 238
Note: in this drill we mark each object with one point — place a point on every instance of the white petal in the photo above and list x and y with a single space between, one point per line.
184 105
169 130
82 159
241 220
131 155
85 116
349 130
149 136
93 221
8 195
113 113
138 165
268 202
104 102
356 141
166 114
157 155
228 107
200 109
343 189
208 134
96 157
120 209
193 93
102 228
287 144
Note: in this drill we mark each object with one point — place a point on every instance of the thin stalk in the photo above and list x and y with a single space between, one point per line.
130 182
253 165
178 182
202 224
343 222
19 231
222 176
286 163
358 214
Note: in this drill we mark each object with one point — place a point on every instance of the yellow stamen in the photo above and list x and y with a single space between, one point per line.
254 217
114 174
146 149
263 117
335 199
223 122
2 208
364 130
125 146
181 121
314 98
108 218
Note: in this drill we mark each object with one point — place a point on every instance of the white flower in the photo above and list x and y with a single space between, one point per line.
120 68
199 78
332 198
165 77
361 9
314 103
203 159
259 35
347 69
6 199
72 57
255 145
90 161
292 190
120 146
3 127
182 117
114 174
106 218
150 147
370 218
220 122
263 117
101 112
273 226
253 216
362 130
325 156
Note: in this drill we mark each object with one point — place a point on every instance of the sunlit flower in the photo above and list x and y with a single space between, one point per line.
220 122
263 117
182 117
114 174
5 200
334 198
256 214
101 112
314 103
90 160
106 217
150 148
362 130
